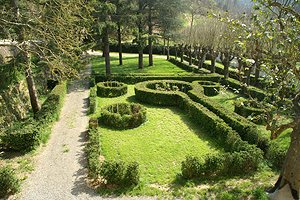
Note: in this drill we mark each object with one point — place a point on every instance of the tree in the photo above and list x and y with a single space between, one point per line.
50 30
277 24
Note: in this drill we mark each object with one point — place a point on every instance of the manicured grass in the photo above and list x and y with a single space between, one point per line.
130 65
159 145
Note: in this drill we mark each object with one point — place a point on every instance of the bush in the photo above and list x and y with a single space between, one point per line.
9 183
120 174
246 129
210 88
111 89
123 115
276 155
93 100
190 168
136 78
93 151
28 134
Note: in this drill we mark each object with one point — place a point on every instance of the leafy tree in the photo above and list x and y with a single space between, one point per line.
51 30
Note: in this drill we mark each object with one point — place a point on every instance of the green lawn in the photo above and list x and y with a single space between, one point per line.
130 65
159 145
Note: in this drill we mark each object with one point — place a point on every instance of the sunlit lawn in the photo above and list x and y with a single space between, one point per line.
130 65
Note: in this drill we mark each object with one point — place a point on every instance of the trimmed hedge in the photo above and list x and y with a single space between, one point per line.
111 89
9 183
210 88
93 153
136 78
28 134
215 126
93 100
123 115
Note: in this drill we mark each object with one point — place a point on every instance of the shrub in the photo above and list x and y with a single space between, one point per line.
111 89
132 176
9 183
22 136
276 155
93 100
93 151
190 167
28 134
120 174
210 88
123 116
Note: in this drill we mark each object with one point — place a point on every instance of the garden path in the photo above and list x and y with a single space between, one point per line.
60 172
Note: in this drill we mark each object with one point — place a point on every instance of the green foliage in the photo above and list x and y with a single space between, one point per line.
9 183
120 174
93 100
93 153
28 134
247 130
111 89
276 155
123 116
235 163
210 88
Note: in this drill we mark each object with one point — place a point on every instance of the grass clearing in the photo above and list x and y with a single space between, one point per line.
130 65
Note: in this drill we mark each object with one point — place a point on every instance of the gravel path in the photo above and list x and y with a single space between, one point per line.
61 166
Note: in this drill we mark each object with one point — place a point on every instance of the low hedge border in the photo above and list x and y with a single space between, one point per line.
123 115
200 114
246 129
136 78
210 88
234 84
111 89
110 172
9 183
93 100
28 134
215 126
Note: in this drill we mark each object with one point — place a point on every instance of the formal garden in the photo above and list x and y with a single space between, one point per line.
150 99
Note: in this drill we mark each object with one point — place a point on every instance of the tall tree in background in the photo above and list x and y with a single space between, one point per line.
50 30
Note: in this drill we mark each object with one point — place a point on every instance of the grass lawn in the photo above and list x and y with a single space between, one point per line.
159 145
130 65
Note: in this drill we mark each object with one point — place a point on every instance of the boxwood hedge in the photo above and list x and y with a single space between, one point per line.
111 89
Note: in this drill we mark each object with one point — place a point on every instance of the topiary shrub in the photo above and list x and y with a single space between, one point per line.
276 155
111 89
119 174
123 115
9 183
210 88
251 110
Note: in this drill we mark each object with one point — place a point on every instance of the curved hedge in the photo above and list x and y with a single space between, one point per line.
123 115
111 89
249 108
216 127
210 88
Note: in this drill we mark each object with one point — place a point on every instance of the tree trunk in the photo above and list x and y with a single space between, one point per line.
141 63
150 39
248 78
106 52
181 53
120 44
226 69
290 175
202 58
168 49
34 101
164 48
213 63
176 53
190 56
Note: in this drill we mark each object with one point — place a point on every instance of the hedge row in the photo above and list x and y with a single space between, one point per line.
246 129
28 134
136 78
234 84
93 100
111 89
216 127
